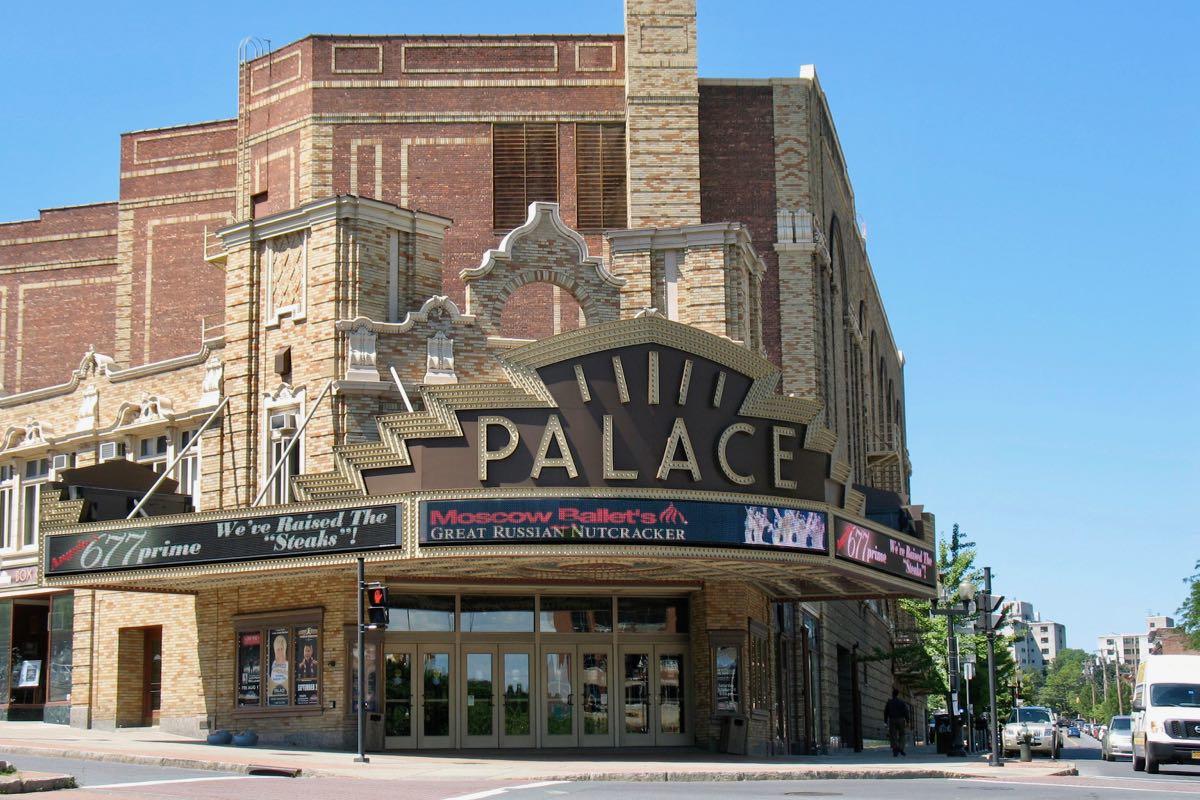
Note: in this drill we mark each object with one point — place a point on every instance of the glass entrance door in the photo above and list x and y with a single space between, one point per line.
654 695
516 700
435 718
479 708
399 699
576 707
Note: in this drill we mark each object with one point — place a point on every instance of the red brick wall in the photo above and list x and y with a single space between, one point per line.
737 179
57 277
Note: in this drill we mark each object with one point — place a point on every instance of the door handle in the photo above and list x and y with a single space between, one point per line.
570 700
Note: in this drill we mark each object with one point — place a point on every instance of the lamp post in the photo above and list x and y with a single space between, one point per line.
958 604
990 604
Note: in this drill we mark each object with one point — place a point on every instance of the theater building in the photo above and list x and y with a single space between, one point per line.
580 355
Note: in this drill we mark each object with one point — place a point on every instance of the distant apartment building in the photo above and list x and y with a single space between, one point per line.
1130 648
1036 642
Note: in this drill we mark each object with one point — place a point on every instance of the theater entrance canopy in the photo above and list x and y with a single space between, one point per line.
640 450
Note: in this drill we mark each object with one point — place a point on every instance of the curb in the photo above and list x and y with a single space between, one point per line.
814 772
23 783
153 761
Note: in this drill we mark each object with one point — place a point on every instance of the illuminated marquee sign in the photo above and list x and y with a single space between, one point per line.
284 535
620 521
885 553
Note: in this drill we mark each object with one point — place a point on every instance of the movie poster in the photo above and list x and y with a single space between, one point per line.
728 694
278 673
308 669
249 687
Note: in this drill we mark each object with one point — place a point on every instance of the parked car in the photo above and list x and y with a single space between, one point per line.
1166 712
1073 730
1118 740
1038 723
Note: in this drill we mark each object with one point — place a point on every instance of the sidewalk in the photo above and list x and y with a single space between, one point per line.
151 746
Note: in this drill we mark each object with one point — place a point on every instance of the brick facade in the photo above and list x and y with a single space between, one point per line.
345 217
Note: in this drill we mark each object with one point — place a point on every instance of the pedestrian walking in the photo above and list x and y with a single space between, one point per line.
895 714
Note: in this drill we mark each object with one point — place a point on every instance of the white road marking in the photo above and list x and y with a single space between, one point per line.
174 780
503 790
1071 785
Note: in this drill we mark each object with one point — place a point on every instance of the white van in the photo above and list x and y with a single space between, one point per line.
1166 712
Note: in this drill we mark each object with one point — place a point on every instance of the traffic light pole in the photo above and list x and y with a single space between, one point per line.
361 705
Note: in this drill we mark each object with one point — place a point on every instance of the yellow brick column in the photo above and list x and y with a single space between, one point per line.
662 113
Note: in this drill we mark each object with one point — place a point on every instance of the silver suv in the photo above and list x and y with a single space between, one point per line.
1036 722
1118 740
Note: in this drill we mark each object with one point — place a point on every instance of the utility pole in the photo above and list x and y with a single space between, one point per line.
1117 680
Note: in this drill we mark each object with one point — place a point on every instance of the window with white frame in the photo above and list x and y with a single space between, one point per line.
37 472
187 472
152 451
7 529
281 487
283 409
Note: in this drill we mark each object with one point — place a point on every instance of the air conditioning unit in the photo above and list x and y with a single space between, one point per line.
283 423
60 461
111 451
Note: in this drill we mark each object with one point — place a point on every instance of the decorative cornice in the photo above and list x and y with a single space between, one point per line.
683 237
342 206
439 301
539 212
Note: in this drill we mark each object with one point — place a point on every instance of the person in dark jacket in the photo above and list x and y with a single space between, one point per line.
895 714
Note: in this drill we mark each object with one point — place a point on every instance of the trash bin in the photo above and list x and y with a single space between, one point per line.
374 741
733 734
941 733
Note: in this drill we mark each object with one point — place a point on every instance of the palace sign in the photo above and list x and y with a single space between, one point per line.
284 535
572 520
639 416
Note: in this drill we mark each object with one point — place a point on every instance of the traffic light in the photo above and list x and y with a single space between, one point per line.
377 606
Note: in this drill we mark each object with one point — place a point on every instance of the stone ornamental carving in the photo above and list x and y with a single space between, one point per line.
214 377
89 410
152 407
34 432
287 281
439 360
362 357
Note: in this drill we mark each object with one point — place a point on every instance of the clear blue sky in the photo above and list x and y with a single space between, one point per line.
1028 173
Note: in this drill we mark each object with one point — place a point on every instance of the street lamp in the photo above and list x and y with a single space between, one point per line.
958 604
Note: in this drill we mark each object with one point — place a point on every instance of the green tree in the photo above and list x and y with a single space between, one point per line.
1067 689
1189 612
1030 685
925 656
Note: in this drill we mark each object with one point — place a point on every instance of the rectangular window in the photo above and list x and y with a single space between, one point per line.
7 530
652 614
152 452
187 472
36 473
497 614
62 631
760 669
576 614
279 663
421 612
600 176
281 487
6 649
524 170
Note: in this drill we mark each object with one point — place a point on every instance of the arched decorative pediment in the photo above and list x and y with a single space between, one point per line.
543 250
150 408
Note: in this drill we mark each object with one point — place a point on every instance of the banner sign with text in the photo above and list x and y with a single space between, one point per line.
570 520
300 534
885 553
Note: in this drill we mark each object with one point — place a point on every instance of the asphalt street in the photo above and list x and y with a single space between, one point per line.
1096 779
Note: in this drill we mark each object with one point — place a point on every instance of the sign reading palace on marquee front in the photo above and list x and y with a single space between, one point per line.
639 416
